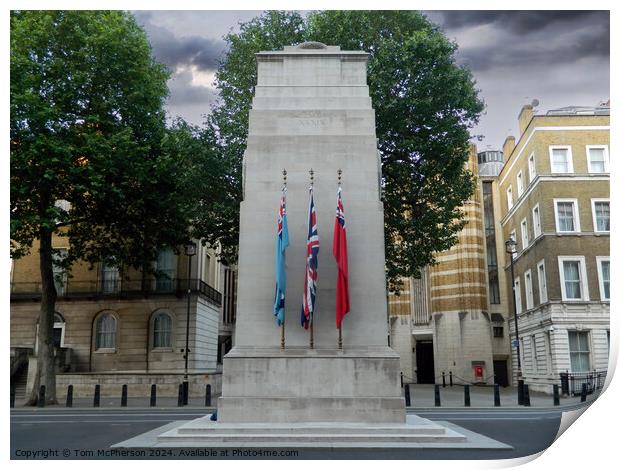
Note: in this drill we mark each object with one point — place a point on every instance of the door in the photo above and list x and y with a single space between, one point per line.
501 372
425 362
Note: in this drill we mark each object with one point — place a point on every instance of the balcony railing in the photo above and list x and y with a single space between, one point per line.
117 288
572 383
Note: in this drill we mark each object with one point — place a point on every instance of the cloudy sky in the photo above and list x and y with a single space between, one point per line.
560 58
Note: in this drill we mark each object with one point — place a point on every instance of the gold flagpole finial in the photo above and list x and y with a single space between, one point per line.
284 176
311 177
339 176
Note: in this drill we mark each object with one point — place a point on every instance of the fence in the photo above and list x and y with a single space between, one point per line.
572 383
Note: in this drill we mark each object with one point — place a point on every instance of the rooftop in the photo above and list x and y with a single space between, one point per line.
602 110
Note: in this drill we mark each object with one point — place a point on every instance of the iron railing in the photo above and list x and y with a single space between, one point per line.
118 288
572 383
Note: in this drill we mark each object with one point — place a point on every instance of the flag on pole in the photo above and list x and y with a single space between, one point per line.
312 260
281 244
340 253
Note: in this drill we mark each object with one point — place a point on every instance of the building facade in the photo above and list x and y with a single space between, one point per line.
554 196
115 327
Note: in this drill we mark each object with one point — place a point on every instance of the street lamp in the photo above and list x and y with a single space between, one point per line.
190 250
511 249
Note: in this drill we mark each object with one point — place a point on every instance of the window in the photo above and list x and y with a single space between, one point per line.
60 273
600 213
598 159
109 278
561 159
542 282
529 292
602 263
525 236
518 306
573 279
498 332
162 331
531 167
165 271
509 197
519 183
536 221
566 215
579 351
105 337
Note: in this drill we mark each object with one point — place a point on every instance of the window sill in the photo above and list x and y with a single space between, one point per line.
157 350
105 351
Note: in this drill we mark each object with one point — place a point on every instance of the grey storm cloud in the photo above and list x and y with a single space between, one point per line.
173 50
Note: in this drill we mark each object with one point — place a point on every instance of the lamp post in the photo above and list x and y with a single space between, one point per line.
511 249
190 250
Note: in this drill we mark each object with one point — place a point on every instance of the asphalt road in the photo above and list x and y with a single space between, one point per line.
88 434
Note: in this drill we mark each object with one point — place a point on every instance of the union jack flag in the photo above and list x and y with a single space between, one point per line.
312 261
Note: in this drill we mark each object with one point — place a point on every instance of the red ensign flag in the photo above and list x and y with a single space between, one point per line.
340 253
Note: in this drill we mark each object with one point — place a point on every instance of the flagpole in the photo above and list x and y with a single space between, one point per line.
282 337
340 327
312 313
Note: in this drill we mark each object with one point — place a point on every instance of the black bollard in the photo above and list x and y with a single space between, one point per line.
401 380
124 395
556 395
208 395
69 403
450 378
153 395
443 379
520 392
526 395
407 396
467 397
180 399
584 392
97 398
41 400
437 396
12 397
496 400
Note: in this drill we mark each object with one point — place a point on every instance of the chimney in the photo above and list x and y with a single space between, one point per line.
509 146
525 116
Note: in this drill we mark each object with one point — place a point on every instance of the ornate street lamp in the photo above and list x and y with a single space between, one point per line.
190 250
511 249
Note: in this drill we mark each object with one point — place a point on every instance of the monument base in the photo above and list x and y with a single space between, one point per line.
350 385
416 432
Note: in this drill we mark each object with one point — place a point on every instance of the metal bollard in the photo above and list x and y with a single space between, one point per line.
153 395
12 398
443 379
208 395
450 378
437 396
526 395
124 395
407 396
496 399
69 403
467 397
401 380
584 392
97 398
520 392
556 395
180 398
41 400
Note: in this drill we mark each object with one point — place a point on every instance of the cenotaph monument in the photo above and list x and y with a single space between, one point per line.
311 111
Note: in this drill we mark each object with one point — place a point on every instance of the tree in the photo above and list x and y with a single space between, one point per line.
88 128
424 102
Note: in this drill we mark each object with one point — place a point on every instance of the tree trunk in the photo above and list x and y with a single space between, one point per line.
46 373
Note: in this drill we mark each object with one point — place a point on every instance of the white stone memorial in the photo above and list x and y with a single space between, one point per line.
311 110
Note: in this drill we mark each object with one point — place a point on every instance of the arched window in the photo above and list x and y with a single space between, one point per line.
105 329
162 331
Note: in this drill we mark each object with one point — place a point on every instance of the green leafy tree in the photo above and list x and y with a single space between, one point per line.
88 127
425 105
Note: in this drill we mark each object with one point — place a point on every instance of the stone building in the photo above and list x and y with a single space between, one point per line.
128 327
554 196
442 322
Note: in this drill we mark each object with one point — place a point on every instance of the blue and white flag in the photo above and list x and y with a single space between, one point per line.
281 244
